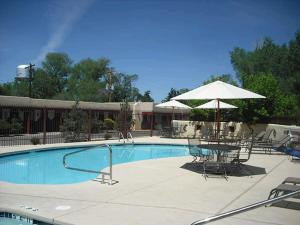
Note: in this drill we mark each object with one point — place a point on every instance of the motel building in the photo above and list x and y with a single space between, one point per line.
46 115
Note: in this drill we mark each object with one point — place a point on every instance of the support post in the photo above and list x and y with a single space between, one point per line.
44 125
151 129
218 128
28 123
89 125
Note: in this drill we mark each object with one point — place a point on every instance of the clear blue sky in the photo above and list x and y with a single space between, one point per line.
167 43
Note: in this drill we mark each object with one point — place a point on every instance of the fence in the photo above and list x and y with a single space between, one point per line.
25 126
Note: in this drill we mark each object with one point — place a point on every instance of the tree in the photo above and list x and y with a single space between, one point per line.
74 124
173 93
124 89
43 85
86 81
124 120
282 61
277 103
227 78
146 97
58 67
7 88
293 65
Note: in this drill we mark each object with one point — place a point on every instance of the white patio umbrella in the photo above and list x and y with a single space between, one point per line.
218 90
173 104
213 104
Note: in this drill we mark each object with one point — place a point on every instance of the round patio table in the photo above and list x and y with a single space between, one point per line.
219 149
222 153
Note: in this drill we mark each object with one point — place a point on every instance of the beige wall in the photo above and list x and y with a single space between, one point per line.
189 129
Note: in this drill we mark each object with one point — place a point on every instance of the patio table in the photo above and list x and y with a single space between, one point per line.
222 152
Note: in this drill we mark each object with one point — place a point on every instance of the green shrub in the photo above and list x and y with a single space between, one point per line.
35 141
75 124
107 136
109 124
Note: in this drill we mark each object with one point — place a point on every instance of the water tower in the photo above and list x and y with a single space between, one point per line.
22 72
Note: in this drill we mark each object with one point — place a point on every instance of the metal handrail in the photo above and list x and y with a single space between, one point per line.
130 135
121 136
110 181
246 208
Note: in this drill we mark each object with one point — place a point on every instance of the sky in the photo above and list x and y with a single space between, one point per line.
167 43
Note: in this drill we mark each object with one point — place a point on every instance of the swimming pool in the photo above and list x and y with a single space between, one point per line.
13 219
46 167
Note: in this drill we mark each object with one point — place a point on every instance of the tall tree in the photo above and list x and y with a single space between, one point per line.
277 103
57 66
293 64
124 89
227 78
146 97
43 85
173 93
282 61
86 81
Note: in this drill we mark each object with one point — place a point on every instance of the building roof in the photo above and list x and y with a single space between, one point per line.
26 102
16 101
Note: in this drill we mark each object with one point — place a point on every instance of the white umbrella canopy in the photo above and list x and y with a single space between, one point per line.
173 104
217 90
213 104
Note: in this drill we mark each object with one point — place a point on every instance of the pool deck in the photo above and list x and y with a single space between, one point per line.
169 191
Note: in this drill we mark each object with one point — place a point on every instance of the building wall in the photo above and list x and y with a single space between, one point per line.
201 129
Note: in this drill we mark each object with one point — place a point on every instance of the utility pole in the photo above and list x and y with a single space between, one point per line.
30 79
109 86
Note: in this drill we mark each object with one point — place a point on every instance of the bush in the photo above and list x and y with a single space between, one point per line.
74 126
107 136
35 141
109 124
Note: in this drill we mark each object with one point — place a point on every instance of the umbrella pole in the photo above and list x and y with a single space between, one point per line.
218 119
171 121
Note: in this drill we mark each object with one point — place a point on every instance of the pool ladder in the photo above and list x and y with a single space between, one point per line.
129 136
110 181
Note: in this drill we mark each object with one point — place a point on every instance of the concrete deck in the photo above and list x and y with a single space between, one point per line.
168 191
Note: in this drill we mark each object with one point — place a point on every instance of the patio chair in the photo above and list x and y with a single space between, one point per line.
196 151
243 155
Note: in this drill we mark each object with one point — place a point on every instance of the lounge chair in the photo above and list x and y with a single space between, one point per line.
259 135
266 136
269 145
291 180
283 189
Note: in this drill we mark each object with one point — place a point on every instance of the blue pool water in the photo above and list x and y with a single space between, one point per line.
13 219
46 167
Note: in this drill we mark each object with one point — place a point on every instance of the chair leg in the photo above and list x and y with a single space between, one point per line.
204 171
273 192
194 159
225 173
